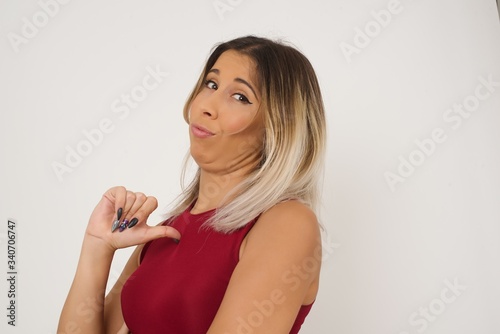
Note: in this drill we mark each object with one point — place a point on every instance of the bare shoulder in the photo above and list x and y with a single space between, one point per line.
290 217
289 224
292 211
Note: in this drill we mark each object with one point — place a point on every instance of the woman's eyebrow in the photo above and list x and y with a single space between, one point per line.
247 84
240 80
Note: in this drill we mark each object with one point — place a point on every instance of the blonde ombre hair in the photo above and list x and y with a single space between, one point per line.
291 163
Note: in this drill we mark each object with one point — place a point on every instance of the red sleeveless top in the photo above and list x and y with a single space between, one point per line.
178 288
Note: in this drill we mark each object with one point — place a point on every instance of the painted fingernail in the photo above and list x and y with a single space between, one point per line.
176 240
133 222
119 213
115 225
124 225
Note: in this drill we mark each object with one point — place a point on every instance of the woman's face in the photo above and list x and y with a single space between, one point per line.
225 124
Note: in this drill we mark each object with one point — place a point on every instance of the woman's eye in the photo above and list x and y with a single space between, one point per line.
210 84
242 98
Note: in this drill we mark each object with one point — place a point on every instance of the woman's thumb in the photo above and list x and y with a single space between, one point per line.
156 232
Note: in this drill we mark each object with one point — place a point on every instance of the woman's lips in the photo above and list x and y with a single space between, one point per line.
200 132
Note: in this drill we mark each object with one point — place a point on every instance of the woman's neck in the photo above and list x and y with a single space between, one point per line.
214 188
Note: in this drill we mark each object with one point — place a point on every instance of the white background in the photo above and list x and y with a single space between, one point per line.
394 248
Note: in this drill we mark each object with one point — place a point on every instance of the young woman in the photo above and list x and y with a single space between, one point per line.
241 252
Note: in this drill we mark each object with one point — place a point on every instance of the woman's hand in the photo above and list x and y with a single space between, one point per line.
135 208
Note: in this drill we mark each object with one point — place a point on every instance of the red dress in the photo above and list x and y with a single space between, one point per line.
178 288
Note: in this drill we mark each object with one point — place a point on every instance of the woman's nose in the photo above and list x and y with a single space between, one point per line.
210 105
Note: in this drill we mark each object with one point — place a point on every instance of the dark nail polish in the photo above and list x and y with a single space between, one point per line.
176 240
124 225
119 213
133 222
115 225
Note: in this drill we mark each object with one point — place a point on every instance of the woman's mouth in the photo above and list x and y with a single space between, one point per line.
200 132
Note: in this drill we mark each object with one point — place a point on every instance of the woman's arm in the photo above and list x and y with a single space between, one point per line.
277 273
113 317
83 311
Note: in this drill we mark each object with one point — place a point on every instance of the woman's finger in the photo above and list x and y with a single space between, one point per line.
123 200
156 232
141 215
129 202
116 196
129 217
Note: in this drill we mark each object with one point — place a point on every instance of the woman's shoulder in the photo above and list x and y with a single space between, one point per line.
291 213
287 222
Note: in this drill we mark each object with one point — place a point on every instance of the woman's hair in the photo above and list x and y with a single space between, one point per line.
291 157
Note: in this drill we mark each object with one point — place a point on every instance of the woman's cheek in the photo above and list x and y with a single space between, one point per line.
236 125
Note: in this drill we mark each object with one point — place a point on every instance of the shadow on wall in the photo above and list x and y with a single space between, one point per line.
498 7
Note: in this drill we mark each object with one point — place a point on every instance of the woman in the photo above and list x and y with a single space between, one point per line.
241 252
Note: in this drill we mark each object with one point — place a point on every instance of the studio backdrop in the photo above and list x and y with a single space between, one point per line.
92 94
